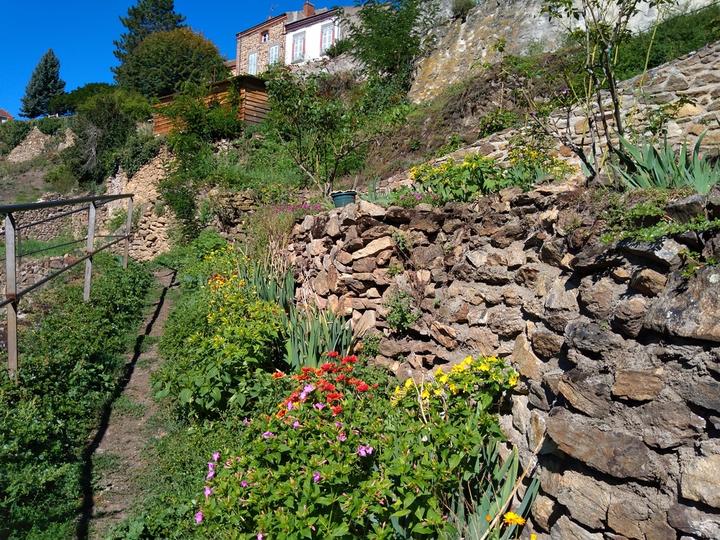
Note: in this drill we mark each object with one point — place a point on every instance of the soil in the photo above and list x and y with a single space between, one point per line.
115 458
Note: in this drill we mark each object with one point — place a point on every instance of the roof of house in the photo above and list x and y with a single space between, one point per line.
320 15
272 21
5 114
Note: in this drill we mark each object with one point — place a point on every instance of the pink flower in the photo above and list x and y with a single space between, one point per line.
268 435
199 517
296 424
247 422
244 483
208 491
338 425
260 536
316 477
216 456
342 437
290 406
319 406
365 450
210 475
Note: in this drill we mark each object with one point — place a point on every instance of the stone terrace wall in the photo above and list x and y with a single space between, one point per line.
694 77
619 353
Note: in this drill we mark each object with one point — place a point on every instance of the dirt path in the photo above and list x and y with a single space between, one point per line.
114 459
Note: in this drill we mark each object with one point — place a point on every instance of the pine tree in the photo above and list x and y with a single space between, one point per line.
45 83
143 19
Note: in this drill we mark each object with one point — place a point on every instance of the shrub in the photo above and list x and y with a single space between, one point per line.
70 102
50 126
336 460
65 379
497 120
138 150
61 178
11 134
338 48
461 8
401 313
408 198
452 181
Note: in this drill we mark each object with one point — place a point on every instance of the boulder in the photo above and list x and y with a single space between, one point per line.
629 315
565 528
561 305
694 521
586 498
598 297
689 309
547 344
591 338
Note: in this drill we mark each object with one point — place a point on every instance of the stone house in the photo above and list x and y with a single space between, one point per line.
5 116
290 38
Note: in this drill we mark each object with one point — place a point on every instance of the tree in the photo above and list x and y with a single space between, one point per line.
165 60
45 83
388 37
71 101
143 19
326 134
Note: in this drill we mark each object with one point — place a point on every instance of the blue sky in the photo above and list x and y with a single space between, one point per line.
81 32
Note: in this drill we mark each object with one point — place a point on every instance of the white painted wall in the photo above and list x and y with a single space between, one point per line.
312 41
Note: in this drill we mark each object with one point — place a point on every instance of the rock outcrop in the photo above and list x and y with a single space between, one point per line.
619 350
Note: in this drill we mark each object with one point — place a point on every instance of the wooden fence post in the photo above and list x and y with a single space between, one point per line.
11 294
128 230
90 247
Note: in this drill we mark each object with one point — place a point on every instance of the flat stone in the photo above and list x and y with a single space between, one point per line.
700 480
586 499
374 247
505 321
694 521
590 337
547 344
686 209
370 209
561 305
612 452
528 365
638 385
566 529
598 297
629 315
586 392
689 309
666 252
365 324
648 282
364 265
667 425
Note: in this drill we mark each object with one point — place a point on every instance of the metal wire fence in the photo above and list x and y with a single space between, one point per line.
14 230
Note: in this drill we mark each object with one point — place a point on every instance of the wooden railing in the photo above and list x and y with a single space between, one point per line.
13 229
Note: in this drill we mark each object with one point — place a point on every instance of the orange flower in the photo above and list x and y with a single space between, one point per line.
278 374
281 413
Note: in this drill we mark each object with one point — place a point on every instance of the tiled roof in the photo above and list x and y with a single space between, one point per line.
5 114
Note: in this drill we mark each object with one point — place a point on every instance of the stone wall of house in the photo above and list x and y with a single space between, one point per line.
619 351
494 28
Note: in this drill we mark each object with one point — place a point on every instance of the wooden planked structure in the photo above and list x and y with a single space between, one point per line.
251 91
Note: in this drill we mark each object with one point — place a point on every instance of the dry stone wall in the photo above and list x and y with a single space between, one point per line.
618 350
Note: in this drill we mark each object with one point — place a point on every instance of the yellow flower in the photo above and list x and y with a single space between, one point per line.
443 379
409 383
453 388
425 394
511 518
533 536
513 380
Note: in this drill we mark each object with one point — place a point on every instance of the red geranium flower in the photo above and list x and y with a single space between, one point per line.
306 369
334 396
281 413
362 386
327 387
349 359
278 374
340 378
337 409
333 354
327 366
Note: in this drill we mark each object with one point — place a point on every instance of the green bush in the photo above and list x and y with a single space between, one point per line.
461 8
11 134
61 178
339 47
401 313
497 120
69 367
70 102
464 181
50 126
139 149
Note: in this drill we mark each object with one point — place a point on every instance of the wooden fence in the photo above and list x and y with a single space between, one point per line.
13 230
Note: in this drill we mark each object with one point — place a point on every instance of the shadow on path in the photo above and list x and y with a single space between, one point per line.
86 478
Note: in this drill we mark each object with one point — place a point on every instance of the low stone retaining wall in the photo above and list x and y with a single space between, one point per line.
619 351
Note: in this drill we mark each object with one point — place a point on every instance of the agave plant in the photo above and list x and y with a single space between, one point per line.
479 506
662 168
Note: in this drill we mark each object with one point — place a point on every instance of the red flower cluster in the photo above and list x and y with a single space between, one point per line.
323 387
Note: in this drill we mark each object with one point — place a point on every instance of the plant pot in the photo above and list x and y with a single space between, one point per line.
343 198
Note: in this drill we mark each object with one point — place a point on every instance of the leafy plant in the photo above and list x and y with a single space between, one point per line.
662 168
338 48
401 313
310 333
138 150
12 133
461 8
497 120
452 181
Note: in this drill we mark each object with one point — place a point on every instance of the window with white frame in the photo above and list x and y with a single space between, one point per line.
298 50
327 36
274 54
252 64
265 36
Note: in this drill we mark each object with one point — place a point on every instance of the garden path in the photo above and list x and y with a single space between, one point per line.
114 459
